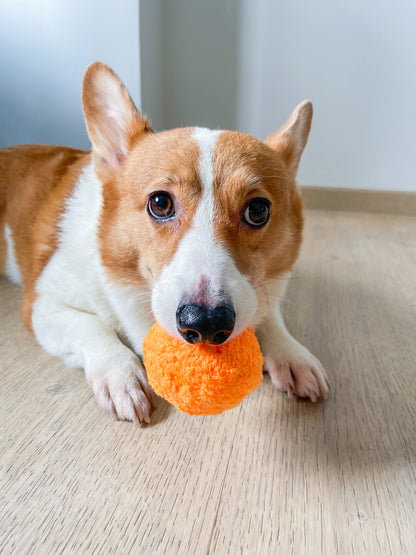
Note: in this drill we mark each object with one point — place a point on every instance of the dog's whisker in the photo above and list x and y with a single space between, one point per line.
280 278
263 288
281 176
262 285
283 300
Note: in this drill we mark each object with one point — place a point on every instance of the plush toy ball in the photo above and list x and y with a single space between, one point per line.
201 378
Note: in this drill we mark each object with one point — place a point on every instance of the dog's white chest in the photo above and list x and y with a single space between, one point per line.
74 274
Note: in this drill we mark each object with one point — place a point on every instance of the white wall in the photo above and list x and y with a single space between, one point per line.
152 54
355 60
45 47
190 61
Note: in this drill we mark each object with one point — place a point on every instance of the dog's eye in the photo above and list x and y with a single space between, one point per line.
160 206
257 212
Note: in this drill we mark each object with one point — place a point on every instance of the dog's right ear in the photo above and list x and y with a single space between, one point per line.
113 121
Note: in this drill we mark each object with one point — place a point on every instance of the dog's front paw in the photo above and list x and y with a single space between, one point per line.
121 388
300 374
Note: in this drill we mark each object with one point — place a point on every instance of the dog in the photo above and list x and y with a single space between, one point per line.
195 228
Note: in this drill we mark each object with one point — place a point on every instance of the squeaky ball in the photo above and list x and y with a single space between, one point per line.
202 378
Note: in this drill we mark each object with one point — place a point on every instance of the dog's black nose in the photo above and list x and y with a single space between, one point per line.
197 323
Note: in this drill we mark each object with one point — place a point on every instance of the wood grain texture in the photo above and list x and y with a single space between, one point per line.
271 476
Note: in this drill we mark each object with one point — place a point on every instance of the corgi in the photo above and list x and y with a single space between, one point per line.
197 229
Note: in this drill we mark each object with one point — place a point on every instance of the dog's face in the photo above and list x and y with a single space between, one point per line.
200 218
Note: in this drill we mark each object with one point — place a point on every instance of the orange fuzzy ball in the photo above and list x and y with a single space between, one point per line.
202 379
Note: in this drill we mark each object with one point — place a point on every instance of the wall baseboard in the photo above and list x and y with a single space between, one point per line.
359 200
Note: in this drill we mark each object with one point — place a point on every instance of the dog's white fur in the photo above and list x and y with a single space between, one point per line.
12 269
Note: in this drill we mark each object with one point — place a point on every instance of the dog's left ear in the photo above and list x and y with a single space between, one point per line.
113 121
291 138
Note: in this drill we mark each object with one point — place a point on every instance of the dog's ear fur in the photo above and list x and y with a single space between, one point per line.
113 121
291 138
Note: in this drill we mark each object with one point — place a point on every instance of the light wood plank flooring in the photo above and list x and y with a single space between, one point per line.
272 476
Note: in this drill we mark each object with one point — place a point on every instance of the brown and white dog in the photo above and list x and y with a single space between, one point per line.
195 228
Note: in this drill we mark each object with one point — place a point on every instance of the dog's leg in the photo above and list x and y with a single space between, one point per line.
292 368
81 339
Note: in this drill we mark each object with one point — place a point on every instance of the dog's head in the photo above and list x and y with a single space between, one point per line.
200 218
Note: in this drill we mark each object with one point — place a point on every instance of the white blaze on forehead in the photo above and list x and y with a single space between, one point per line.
206 141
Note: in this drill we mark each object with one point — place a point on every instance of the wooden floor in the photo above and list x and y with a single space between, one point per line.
272 476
